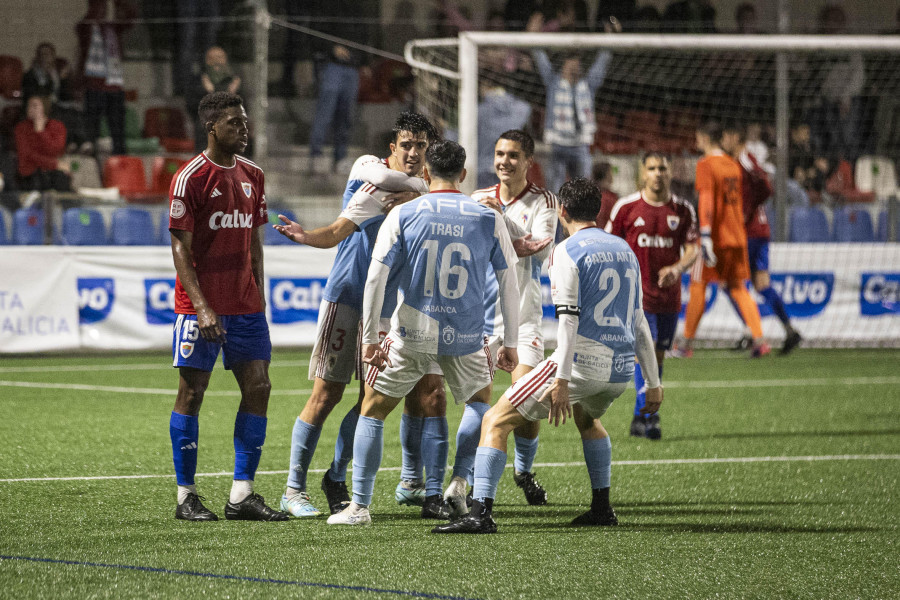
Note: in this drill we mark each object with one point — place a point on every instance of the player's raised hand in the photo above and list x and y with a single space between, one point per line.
507 359
375 355
210 325
653 400
291 230
398 198
560 408
706 247
525 246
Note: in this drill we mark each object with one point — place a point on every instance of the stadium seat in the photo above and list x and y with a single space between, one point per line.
28 227
132 227
83 227
876 174
843 188
808 225
163 237
853 225
168 124
644 127
272 237
127 174
164 168
85 172
11 72
4 227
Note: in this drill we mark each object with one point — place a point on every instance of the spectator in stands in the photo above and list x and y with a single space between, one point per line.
603 179
51 77
690 16
517 13
100 41
570 121
338 73
197 29
217 76
498 111
837 121
624 12
746 19
40 144
808 171
296 44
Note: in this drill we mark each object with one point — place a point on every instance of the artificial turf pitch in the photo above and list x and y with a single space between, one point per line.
774 478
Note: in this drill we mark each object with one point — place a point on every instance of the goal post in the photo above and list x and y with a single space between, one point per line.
843 90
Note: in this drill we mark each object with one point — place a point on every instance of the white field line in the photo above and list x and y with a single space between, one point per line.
720 384
160 366
664 461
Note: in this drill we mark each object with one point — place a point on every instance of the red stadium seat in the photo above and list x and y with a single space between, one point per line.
10 76
164 122
164 168
644 127
841 185
127 174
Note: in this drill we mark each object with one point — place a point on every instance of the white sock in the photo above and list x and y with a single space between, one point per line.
184 490
240 489
290 492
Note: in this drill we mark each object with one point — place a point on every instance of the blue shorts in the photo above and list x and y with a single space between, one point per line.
662 328
246 339
758 250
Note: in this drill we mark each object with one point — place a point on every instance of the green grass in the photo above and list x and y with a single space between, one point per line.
784 528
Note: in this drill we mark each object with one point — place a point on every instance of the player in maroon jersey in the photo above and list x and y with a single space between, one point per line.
757 189
662 230
217 208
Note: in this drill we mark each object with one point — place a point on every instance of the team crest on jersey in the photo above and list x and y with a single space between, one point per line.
187 348
248 189
619 364
524 219
449 334
177 210
672 221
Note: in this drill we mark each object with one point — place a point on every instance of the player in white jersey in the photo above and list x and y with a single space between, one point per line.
596 287
438 245
336 354
531 209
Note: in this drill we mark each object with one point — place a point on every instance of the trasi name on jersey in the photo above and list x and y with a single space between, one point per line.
446 229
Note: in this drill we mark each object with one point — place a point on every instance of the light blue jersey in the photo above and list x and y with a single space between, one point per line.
596 275
438 248
363 203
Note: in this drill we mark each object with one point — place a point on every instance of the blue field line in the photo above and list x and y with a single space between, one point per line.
331 586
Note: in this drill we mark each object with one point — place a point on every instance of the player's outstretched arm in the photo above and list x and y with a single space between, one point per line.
671 274
525 246
374 171
645 349
322 237
208 321
560 408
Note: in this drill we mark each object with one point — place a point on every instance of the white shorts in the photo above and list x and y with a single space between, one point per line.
336 355
465 375
594 396
384 327
530 353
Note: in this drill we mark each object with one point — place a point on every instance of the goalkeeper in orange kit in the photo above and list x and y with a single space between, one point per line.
723 239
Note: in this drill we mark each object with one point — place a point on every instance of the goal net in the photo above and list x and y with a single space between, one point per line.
822 115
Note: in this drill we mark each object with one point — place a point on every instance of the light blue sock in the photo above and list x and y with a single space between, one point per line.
489 466
184 431
598 456
249 437
343 447
640 387
526 449
411 447
467 439
367 449
303 446
435 447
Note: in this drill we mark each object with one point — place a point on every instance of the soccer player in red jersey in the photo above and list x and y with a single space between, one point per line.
723 239
757 189
661 228
217 208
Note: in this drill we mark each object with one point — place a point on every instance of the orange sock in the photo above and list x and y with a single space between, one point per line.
696 306
748 308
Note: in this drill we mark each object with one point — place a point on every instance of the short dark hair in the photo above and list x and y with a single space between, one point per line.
734 126
713 129
415 123
744 9
601 170
525 141
654 154
581 199
445 159
213 105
